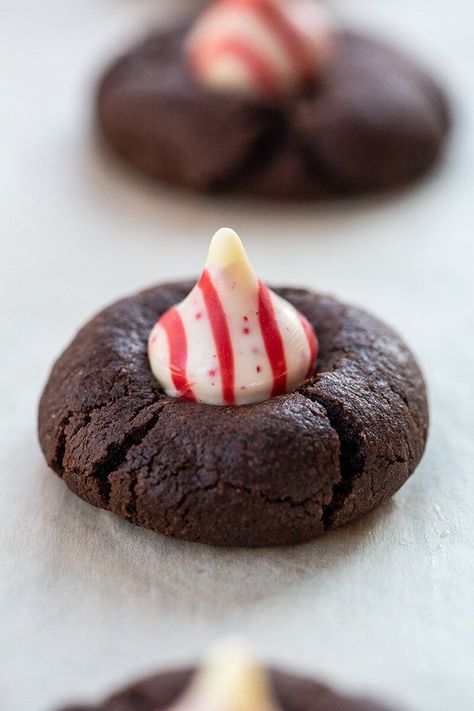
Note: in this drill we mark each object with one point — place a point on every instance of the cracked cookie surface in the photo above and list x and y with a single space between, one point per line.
374 121
276 472
293 693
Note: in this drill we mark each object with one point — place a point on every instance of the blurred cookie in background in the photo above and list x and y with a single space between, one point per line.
272 98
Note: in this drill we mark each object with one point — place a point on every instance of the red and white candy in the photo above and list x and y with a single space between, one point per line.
230 680
263 47
232 341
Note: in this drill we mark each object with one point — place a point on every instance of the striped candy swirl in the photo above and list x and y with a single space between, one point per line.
232 341
268 47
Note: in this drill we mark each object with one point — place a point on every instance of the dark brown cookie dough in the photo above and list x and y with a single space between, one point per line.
375 121
293 693
276 472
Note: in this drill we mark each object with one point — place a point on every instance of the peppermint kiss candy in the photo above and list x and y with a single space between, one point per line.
230 681
231 341
264 47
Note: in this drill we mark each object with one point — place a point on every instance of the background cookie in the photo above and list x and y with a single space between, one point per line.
280 471
375 121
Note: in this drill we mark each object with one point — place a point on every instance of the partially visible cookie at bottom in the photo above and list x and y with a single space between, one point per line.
293 693
276 472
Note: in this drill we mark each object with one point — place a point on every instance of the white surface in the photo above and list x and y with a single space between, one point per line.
86 600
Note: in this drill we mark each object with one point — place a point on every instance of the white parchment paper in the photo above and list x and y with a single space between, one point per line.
87 601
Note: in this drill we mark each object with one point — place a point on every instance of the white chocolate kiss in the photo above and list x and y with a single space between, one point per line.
229 681
263 47
232 341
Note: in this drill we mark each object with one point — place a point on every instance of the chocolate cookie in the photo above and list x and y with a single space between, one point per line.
276 472
293 693
375 120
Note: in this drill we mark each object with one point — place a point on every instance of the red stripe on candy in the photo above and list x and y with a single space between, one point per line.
272 339
173 326
282 27
285 31
221 335
260 69
312 343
